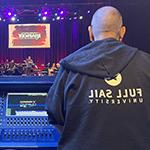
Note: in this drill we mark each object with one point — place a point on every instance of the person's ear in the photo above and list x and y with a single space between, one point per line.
122 32
91 36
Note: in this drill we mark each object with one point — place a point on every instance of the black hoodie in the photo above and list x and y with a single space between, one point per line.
101 97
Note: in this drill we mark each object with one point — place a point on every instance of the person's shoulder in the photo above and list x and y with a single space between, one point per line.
76 54
80 50
143 58
143 55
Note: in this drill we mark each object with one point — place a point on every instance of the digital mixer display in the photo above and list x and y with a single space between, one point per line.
26 104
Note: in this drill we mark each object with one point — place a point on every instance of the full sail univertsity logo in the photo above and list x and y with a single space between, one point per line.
115 81
117 95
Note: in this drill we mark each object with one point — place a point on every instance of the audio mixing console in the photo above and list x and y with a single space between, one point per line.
23 119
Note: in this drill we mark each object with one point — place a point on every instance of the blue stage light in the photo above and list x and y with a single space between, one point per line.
39 14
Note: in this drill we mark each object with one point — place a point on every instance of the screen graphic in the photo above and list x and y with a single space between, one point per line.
26 104
29 36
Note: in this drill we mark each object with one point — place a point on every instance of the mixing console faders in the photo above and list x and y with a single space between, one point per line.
24 121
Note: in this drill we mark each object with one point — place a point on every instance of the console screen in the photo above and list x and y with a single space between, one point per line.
26 104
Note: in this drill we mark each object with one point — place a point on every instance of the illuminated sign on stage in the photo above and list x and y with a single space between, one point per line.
29 36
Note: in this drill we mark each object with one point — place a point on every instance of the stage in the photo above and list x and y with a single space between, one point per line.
25 83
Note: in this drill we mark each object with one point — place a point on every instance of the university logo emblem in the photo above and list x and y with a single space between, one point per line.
115 81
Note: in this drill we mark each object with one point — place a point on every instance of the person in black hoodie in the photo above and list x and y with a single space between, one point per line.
101 95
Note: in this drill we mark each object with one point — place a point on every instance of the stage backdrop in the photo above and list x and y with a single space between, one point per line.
66 36
29 36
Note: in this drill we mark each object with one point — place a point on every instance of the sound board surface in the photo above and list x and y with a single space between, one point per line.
23 119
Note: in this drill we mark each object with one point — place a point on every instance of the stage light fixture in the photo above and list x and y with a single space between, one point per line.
62 12
45 13
13 19
44 18
75 13
88 11
9 13
58 18
81 17
75 18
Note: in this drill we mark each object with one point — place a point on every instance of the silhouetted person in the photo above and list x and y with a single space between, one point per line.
101 95
29 65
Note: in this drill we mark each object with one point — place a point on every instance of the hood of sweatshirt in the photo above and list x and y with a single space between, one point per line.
102 59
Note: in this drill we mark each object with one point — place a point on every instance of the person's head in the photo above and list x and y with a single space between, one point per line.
12 61
29 57
53 64
107 22
58 65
